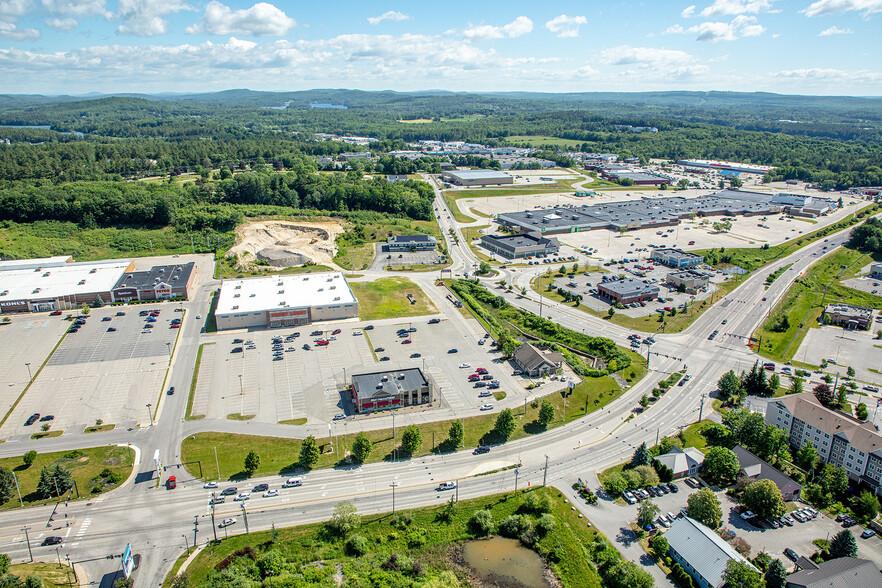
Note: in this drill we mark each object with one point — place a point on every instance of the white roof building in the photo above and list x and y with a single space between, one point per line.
287 300
701 552
14 264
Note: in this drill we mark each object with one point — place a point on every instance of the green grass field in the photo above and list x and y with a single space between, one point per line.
190 395
387 298
52 574
85 465
802 302
279 455
419 535
542 140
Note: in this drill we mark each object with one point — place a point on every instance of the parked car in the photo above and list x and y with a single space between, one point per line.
32 419
867 533
486 407
791 554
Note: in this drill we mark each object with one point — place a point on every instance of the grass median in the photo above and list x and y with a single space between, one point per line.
53 575
279 455
86 466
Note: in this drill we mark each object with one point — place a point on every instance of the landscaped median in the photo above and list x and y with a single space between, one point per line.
86 471
426 547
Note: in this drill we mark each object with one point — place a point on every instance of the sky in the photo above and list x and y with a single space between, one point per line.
818 47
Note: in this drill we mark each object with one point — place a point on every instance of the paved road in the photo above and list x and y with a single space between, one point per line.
156 521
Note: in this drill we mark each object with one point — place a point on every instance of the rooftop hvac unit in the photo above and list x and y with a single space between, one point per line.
236 295
321 289
4 292
401 376
239 287
336 299
281 292
252 295
330 280
38 269
332 288
282 303
280 283
46 275
235 308
306 279
36 290
162 270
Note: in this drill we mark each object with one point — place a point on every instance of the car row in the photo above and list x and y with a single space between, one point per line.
632 497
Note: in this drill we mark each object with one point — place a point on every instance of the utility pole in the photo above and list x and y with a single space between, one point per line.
245 516
213 526
28 540
393 425
150 413
545 471
457 491
195 529
17 489
186 543
217 464
517 471
71 566
701 409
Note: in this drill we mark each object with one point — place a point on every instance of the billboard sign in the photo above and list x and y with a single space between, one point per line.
128 562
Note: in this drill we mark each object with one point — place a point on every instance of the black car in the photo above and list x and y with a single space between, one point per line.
315 334
32 419
454 350
171 390
673 488
261 488
384 358
52 540
379 349
791 554
482 449
434 321
415 355
229 491
369 327
306 346
236 350
144 313
47 418
480 384
237 341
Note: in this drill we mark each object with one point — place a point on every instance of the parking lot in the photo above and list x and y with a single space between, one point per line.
846 348
394 258
26 339
100 374
799 537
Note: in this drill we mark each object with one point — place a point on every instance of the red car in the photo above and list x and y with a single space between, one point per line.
55 313
336 332
175 326
406 342
321 342
474 378
481 370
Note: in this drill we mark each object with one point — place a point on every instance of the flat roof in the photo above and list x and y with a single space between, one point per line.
520 239
287 291
66 279
628 286
412 239
13 264
678 254
478 174
173 275
373 384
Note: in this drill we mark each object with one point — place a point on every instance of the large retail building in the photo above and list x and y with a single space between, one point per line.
281 301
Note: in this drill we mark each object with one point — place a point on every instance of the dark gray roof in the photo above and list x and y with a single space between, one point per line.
372 384
412 239
677 254
705 551
531 239
753 465
844 572
629 287
173 275
530 358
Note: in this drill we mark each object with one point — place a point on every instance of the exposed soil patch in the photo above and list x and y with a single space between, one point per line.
286 243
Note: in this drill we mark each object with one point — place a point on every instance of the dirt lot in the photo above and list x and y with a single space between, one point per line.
287 243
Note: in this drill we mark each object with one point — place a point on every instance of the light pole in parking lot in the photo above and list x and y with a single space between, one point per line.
241 389
30 377
150 413
168 346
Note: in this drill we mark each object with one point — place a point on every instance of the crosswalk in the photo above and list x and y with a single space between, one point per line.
449 395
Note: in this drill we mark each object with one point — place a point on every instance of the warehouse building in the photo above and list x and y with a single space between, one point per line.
848 316
691 281
282 301
522 245
161 282
876 270
676 258
411 243
639 178
57 283
477 177
627 291
744 168
376 391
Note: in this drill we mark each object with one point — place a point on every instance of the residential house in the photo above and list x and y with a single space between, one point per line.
683 462
535 362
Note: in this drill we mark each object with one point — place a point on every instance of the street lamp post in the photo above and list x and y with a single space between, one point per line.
241 389
517 471
393 485
545 471
30 377
168 346
28 540
213 526
150 413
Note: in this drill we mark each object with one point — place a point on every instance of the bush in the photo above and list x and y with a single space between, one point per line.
680 576
357 545
512 526
481 523
546 524
535 503
416 538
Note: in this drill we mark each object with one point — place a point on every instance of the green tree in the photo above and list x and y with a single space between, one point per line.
361 447
796 385
627 574
483 268
720 466
54 481
834 479
411 439
7 485
764 499
729 385
611 312
481 523
704 507
456 433
841 396
861 411
562 270
659 546
776 574
865 506
505 423
309 453
5 560
850 371
807 457
641 456
740 574
252 462
843 544
344 520
28 458
646 513
615 485
774 383
546 413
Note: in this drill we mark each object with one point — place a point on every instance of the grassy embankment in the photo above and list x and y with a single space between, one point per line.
85 465
802 304
421 537
54 575
387 298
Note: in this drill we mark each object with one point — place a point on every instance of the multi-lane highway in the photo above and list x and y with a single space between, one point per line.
158 522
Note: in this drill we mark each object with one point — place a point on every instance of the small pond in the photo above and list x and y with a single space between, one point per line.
505 562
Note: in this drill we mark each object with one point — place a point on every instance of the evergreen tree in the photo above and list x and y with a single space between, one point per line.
641 456
252 462
7 485
456 433
843 545
309 453
776 574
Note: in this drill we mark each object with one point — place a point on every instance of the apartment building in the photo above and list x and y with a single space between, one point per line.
839 439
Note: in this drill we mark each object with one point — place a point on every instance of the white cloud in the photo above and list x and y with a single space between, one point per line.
644 56
389 15
688 11
741 26
824 7
77 7
13 33
734 7
144 17
11 10
566 26
261 20
834 30
519 26
62 24
823 76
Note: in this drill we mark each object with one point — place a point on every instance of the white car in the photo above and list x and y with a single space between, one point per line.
487 407
199 316
270 493
227 523
243 496
357 333
465 365
210 485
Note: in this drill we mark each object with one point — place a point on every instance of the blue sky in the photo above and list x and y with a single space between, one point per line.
786 46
